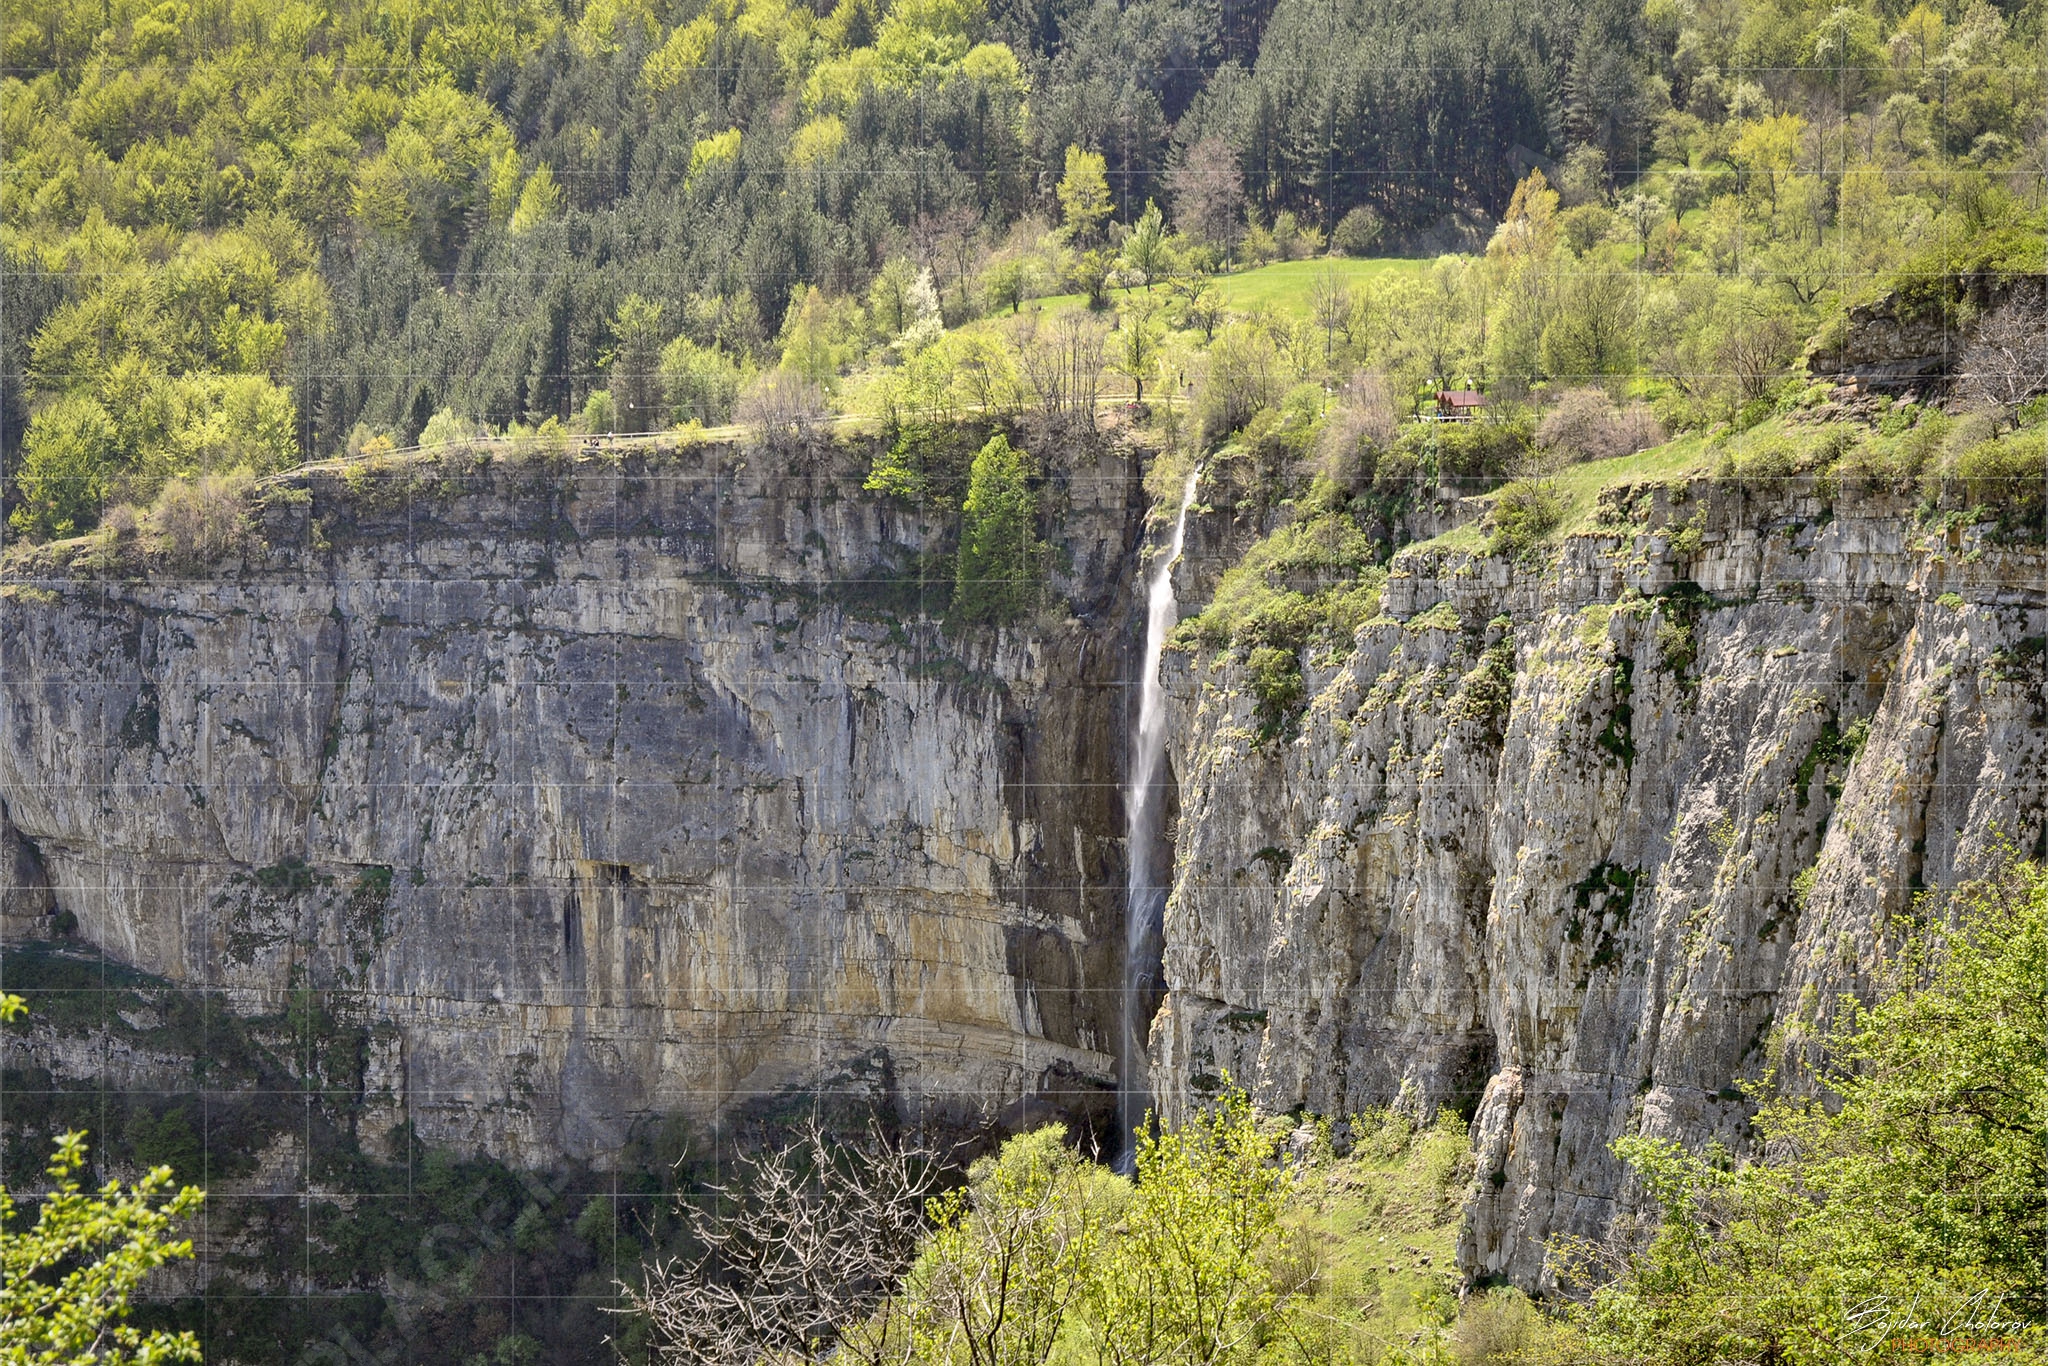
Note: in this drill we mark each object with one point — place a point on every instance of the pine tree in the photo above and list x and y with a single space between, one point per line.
636 365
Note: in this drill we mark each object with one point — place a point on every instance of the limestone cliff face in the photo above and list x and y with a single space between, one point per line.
1581 847
602 791
650 786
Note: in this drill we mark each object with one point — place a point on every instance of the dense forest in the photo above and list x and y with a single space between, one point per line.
238 236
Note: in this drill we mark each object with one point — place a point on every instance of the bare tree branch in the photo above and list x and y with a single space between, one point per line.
2007 360
801 1254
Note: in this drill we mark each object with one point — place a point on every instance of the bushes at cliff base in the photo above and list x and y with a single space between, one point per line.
1902 1212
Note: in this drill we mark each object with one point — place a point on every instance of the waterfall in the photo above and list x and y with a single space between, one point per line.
1145 903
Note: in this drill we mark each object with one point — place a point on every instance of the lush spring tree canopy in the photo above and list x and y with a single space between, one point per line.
235 237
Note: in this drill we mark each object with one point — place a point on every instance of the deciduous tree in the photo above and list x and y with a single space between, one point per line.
66 1282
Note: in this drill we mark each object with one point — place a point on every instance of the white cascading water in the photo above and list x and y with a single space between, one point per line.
1145 904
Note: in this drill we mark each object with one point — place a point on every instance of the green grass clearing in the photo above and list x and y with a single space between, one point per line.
1282 286
1285 286
1374 1237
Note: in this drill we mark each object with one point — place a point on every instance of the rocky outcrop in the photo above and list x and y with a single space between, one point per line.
1578 849
599 789
1912 338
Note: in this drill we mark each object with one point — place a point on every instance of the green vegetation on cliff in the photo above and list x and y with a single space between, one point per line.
998 566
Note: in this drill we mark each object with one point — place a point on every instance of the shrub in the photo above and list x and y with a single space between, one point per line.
925 463
1473 456
1357 232
781 407
1356 431
2007 360
2003 478
1506 1329
1308 581
1477 455
1523 514
1274 676
700 383
445 428
599 415
1586 424
196 521
71 1275
1762 460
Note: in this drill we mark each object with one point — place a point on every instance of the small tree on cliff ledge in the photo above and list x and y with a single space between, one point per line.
997 575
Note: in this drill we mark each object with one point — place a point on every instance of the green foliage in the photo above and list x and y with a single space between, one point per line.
1358 232
445 428
600 413
1187 1276
1009 1253
1523 514
362 217
1370 1242
1938 283
818 335
701 383
1246 376
926 463
2001 480
1834 748
638 377
1084 195
540 200
1148 252
1045 1256
64 477
1316 580
65 1282
1273 676
1912 1199
999 571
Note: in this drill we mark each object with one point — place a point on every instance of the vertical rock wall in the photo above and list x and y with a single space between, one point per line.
599 791
1578 849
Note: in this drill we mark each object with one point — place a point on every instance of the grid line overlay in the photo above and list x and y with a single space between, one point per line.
915 663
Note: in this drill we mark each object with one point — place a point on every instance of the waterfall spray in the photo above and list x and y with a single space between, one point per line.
1145 904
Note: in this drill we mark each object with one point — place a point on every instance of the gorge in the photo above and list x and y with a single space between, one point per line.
596 790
